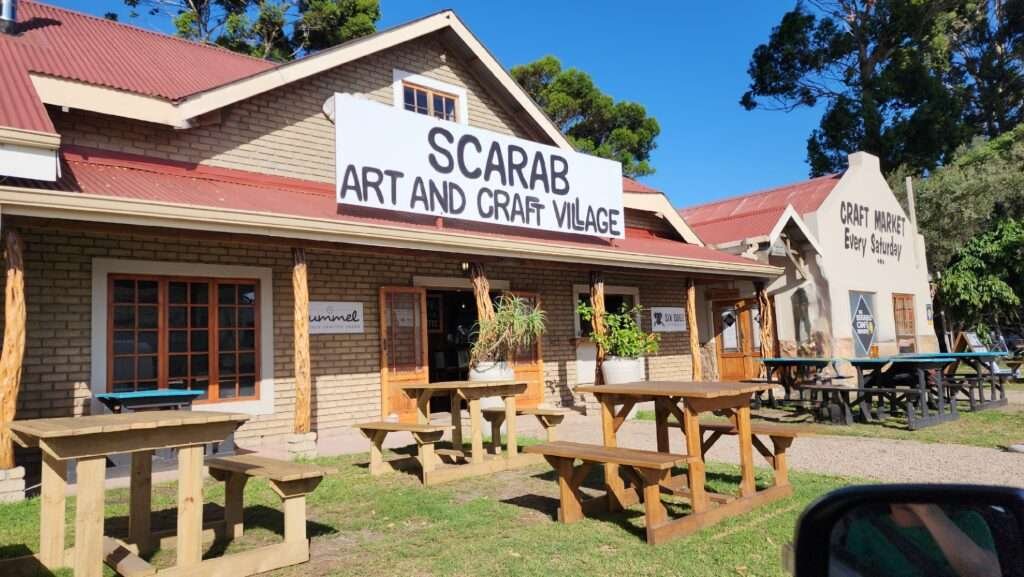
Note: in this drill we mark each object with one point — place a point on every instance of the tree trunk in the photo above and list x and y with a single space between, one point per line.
481 292
303 377
597 322
696 361
14 343
764 304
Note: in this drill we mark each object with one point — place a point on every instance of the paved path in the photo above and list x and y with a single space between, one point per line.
884 460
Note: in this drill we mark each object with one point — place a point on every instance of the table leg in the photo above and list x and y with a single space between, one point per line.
476 432
612 481
456 409
423 407
511 443
140 505
747 487
695 461
190 505
52 511
91 473
661 423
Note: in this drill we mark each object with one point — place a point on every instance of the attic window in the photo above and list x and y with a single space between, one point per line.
429 96
426 101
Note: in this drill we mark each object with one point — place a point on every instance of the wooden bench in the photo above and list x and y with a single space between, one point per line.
647 470
781 436
291 481
426 436
548 418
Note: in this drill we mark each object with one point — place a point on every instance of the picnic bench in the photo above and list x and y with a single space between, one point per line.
548 418
986 388
291 481
781 437
792 373
648 470
905 385
426 437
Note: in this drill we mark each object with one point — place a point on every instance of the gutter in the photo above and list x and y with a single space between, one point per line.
42 203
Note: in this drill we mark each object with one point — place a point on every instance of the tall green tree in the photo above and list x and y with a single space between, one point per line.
273 29
593 122
908 80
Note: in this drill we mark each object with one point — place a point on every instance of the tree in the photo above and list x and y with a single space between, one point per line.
593 122
907 80
982 287
981 185
274 29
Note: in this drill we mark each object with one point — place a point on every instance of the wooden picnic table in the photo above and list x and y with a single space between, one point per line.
471 392
790 372
90 440
686 400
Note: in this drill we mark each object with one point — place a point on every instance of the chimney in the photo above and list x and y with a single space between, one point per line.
9 17
911 202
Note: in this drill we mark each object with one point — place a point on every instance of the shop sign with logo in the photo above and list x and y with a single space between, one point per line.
392 159
872 233
863 318
331 317
668 319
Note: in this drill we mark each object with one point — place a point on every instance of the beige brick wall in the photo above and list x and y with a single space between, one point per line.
284 131
345 367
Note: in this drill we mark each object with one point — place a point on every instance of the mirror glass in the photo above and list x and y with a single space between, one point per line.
925 539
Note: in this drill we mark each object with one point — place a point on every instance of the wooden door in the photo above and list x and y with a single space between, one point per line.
403 347
731 334
529 365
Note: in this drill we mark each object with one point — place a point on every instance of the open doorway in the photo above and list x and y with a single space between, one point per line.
451 316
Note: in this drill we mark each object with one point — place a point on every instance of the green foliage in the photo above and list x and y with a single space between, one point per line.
907 80
593 122
274 29
982 287
983 184
517 324
623 336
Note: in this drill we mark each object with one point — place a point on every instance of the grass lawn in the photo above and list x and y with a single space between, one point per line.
1015 386
495 525
990 428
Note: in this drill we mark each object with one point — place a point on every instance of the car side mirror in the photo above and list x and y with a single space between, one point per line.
910 530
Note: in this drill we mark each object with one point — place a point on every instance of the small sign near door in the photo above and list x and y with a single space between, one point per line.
332 317
668 319
863 323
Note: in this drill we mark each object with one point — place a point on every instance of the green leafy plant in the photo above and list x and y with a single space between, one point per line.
623 337
517 324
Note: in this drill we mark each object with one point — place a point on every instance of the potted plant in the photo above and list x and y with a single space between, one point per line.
624 342
517 324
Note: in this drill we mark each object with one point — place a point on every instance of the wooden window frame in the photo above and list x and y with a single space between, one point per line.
897 298
431 93
163 330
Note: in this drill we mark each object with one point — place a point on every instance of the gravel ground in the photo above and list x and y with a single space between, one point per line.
884 460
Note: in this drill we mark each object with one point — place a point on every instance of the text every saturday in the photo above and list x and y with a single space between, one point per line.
502 169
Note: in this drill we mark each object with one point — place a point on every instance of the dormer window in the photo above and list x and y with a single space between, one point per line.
430 102
430 96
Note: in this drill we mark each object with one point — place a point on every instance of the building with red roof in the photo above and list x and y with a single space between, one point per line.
191 218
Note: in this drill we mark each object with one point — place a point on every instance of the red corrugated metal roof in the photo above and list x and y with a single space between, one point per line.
128 176
20 106
755 214
630 185
67 44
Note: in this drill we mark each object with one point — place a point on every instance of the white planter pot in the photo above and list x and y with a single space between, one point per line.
492 371
619 370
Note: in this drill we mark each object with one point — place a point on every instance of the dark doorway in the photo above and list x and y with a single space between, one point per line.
451 316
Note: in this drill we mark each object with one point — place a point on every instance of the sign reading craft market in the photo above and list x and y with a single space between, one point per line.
388 158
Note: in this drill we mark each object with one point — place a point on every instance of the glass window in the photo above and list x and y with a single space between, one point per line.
430 102
161 330
613 303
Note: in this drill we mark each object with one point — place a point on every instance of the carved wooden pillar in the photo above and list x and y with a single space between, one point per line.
481 292
597 323
303 376
691 322
764 303
14 342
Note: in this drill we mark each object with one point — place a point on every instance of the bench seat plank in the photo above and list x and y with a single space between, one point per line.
398 427
265 467
770 429
614 455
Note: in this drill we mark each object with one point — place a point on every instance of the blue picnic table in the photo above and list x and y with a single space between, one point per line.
155 399
984 389
790 372
904 382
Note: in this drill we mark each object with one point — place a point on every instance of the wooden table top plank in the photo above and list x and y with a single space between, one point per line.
59 427
685 389
456 385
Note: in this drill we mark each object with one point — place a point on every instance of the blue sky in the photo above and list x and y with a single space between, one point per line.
685 61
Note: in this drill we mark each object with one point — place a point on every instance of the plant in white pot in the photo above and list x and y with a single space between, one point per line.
624 342
517 324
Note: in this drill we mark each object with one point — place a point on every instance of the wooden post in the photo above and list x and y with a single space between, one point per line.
764 303
303 378
190 506
597 325
53 508
691 322
14 343
140 505
91 472
481 292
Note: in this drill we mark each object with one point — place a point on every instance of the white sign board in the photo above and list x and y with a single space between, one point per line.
332 318
668 319
392 159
